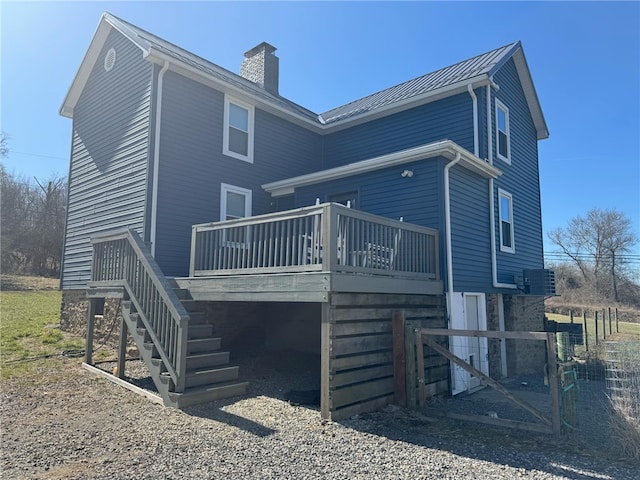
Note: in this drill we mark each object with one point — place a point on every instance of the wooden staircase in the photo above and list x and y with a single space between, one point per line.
174 340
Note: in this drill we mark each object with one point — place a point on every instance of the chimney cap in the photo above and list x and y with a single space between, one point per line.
268 48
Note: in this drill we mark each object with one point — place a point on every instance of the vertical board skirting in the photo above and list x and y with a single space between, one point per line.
357 348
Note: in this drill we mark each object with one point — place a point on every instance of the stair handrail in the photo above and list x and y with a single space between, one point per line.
121 258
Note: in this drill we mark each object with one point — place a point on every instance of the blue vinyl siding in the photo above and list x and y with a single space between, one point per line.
450 118
386 193
108 168
520 179
470 231
192 165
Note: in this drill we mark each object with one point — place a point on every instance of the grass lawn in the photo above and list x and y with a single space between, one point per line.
626 328
28 328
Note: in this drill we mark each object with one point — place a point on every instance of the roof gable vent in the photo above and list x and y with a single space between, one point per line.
109 59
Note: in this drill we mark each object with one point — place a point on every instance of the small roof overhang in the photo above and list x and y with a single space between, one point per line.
445 148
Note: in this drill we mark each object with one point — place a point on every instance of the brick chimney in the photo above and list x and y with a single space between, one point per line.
261 66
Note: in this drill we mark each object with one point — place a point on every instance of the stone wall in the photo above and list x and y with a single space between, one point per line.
73 319
493 323
524 313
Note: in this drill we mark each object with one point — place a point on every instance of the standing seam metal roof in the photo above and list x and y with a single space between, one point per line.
484 64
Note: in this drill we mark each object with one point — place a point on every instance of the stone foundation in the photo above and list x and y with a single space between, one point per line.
524 313
73 319
493 323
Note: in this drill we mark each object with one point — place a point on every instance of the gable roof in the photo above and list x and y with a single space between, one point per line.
444 82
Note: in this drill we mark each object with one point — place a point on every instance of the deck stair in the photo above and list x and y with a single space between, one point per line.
175 341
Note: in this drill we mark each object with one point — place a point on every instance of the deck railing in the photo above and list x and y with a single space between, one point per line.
326 237
121 259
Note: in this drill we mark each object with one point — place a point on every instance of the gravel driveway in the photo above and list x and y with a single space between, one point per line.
62 422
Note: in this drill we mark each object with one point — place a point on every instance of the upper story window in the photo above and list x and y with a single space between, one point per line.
238 130
503 139
506 221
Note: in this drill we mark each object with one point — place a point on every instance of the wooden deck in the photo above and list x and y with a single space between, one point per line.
303 255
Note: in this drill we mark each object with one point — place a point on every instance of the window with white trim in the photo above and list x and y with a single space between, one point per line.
235 202
503 136
505 207
238 130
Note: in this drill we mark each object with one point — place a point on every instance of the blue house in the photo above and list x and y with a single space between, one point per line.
210 205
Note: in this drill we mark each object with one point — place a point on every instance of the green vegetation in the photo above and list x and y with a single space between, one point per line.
626 328
28 328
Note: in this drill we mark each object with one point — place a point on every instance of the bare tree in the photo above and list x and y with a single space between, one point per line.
32 219
596 243
4 145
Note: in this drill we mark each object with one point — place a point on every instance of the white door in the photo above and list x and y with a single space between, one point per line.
469 313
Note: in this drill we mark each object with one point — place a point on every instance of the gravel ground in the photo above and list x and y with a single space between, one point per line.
63 422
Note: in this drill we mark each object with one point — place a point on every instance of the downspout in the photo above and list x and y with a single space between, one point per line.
476 146
447 224
492 215
156 158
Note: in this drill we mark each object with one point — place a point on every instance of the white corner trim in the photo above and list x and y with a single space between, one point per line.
444 148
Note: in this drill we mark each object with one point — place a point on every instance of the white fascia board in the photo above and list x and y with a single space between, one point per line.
530 94
320 126
444 148
198 75
412 102
90 58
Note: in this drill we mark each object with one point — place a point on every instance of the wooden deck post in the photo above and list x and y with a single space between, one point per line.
122 348
399 361
552 366
410 364
325 361
91 319
422 392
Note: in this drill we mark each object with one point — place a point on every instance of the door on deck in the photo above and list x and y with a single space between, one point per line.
348 199
469 314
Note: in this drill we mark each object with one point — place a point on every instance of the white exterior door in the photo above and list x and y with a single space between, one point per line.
469 313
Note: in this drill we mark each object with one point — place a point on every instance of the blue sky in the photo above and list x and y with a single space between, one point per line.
584 58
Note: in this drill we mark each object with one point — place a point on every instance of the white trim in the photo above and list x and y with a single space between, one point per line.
474 99
489 136
248 194
501 106
250 129
447 224
445 148
504 194
412 102
154 55
156 160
